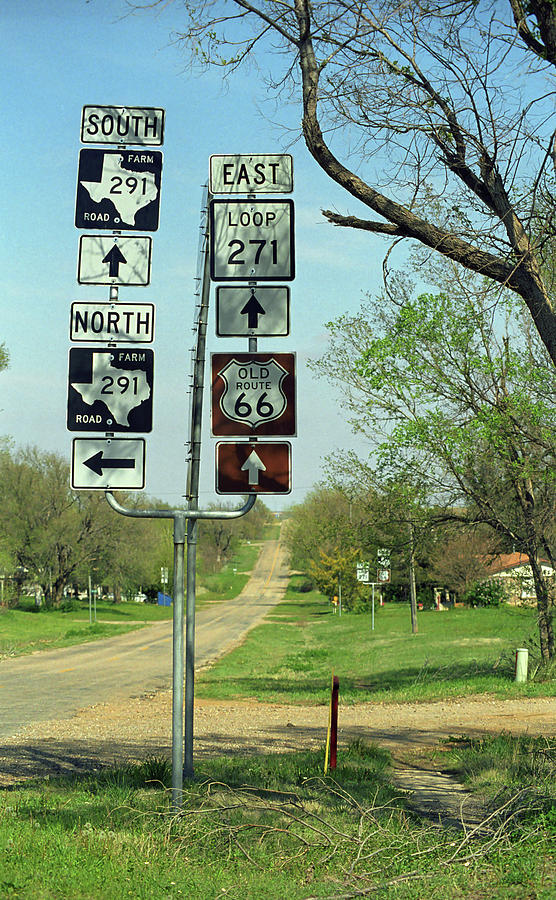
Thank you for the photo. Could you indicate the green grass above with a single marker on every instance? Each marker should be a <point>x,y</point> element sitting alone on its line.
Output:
<point>501,767</point>
<point>455,653</point>
<point>29,628</point>
<point>227,584</point>
<point>254,829</point>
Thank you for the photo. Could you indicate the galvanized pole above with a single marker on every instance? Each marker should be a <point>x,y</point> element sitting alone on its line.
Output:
<point>193,503</point>
<point>182,743</point>
<point>177,667</point>
<point>179,516</point>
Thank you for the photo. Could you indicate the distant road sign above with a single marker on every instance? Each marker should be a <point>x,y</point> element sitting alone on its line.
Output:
<point>103,322</point>
<point>256,312</point>
<point>253,468</point>
<point>253,393</point>
<point>255,173</point>
<point>363,572</point>
<point>117,463</point>
<point>252,240</point>
<point>118,189</point>
<point>110,390</point>
<point>107,259</point>
<point>122,125</point>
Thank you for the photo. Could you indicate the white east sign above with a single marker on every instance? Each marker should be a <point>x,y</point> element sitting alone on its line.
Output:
<point>252,240</point>
<point>255,173</point>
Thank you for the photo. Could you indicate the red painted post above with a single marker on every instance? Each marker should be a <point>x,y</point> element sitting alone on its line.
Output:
<point>334,722</point>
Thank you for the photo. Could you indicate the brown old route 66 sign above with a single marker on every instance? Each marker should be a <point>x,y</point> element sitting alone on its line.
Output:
<point>253,394</point>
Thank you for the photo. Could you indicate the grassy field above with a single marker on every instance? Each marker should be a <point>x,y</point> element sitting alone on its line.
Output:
<point>261,827</point>
<point>29,628</point>
<point>455,653</point>
<point>234,575</point>
<point>267,827</point>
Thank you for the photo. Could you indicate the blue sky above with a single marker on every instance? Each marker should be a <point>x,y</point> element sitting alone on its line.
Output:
<point>58,57</point>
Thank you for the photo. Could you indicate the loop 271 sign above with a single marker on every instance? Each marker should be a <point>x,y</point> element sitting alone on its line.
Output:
<point>253,393</point>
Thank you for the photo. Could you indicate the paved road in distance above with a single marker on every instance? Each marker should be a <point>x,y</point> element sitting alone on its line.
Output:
<point>54,684</point>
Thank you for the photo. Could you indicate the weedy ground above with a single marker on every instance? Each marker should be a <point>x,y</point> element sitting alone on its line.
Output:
<point>266,827</point>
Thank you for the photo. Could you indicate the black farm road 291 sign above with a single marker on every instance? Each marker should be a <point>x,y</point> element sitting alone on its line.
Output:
<point>118,189</point>
<point>110,390</point>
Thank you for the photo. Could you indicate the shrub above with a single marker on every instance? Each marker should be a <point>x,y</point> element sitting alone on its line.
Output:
<point>486,593</point>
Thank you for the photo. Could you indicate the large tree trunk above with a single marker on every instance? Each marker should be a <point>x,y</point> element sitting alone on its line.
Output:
<point>544,609</point>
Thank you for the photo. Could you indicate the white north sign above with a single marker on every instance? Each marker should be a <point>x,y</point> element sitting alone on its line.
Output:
<point>105,259</point>
<point>136,125</point>
<point>111,464</point>
<point>252,240</point>
<point>253,312</point>
<point>118,321</point>
<point>255,173</point>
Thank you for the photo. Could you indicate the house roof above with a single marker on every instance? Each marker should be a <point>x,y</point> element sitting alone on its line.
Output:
<point>506,561</point>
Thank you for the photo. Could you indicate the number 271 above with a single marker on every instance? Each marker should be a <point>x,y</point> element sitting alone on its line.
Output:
<point>234,258</point>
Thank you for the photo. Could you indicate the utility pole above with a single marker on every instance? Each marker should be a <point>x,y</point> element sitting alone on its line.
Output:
<point>412,588</point>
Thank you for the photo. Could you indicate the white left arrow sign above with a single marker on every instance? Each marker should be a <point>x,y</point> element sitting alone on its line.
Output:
<point>101,464</point>
<point>253,465</point>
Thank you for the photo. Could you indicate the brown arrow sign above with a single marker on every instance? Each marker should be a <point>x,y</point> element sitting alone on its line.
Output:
<point>253,468</point>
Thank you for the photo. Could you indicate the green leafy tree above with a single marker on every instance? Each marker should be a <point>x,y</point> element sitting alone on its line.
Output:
<point>4,357</point>
<point>415,110</point>
<point>486,593</point>
<point>50,531</point>
<point>457,398</point>
<point>58,537</point>
<point>334,574</point>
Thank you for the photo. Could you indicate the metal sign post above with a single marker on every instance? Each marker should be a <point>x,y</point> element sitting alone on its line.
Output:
<point>110,389</point>
<point>185,526</point>
<point>180,517</point>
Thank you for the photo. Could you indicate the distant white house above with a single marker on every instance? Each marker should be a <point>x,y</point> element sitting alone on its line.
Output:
<point>514,571</point>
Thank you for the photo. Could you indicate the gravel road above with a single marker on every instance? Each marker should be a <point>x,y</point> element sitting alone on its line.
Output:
<point>130,724</point>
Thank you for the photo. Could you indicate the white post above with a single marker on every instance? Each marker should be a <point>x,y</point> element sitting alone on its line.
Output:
<point>521,663</point>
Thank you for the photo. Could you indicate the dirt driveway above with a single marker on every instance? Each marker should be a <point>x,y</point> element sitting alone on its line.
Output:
<point>111,733</point>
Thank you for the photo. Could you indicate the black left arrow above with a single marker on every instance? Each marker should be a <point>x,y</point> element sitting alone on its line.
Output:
<point>96,463</point>
<point>115,259</point>
<point>253,310</point>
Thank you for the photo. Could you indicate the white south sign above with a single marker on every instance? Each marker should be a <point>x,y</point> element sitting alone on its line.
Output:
<point>122,125</point>
<point>252,240</point>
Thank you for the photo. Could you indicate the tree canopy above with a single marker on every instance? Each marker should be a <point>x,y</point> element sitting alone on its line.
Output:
<point>456,397</point>
<point>440,118</point>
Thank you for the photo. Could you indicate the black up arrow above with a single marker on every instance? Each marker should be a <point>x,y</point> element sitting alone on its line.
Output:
<point>114,258</point>
<point>253,310</point>
<point>96,463</point>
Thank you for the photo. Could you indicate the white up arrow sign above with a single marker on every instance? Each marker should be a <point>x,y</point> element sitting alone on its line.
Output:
<point>253,465</point>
